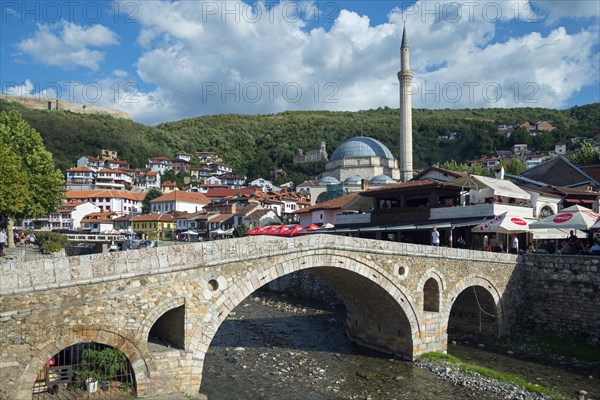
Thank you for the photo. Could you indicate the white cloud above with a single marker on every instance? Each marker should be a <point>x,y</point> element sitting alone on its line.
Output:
<point>559,9</point>
<point>202,60</point>
<point>28,89</point>
<point>67,45</point>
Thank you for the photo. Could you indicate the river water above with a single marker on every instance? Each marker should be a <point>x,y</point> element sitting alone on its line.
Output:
<point>278,347</point>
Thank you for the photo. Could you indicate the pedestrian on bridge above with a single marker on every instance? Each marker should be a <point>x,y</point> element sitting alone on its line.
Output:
<point>435,237</point>
<point>3,241</point>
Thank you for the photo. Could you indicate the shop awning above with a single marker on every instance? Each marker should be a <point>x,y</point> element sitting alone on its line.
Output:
<point>474,222</point>
<point>439,225</point>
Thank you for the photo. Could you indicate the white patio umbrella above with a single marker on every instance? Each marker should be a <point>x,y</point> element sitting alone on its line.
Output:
<point>189,233</point>
<point>503,223</point>
<point>571,218</point>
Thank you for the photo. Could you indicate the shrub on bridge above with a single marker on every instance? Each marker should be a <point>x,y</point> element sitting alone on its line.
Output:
<point>51,242</point>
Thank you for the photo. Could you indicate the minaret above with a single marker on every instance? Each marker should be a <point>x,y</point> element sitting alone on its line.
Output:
<point>405,78</point>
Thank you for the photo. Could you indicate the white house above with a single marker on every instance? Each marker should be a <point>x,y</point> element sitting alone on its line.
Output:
<point>148,180</point>
<point>182,157</point>
<point>159,164</point>
<point>75,211</point>
<point>68,216</point>
<point>213,180</point>
<point>113,179</point>
<point>533,159</point>
<point>114,164</point>
<point>119,201</point>
<point>98,222</point>
<point>80,177</point>
<point>92,163</point>
<point>179,201</point>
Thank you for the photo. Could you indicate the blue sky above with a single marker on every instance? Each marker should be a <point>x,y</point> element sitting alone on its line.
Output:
<point>162,61</point>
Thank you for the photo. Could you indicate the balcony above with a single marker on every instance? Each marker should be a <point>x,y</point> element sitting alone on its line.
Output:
<point>480,210</point>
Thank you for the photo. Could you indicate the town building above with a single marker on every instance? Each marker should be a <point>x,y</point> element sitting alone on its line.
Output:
<point>363,157</point>
<point>311,156</point>
<point>179,201</point>
<point>155,226</point>
<point>119,201</point>
<point>80,178</point>
<point>98,222</point>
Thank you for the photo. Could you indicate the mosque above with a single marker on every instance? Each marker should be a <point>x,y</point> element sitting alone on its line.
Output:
<point>364,159</point>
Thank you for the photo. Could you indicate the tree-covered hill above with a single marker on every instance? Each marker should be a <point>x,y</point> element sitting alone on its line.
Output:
<point>254,145</point>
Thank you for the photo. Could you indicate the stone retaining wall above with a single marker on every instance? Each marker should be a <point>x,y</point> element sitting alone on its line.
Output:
<point>561,294</point>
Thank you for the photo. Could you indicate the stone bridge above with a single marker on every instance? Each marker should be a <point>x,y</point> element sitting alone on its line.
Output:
<point>400,298</point>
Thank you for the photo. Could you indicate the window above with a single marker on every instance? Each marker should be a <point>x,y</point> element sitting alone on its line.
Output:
<point>431,295</point>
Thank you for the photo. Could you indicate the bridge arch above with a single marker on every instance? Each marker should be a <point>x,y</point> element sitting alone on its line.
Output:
<point>490,289</point>
<point>426,290</point>
<point>327,266</point>
<point>157,312</point>
<point>136,353</point>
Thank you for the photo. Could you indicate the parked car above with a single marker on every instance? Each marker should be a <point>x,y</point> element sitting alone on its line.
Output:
<point>134,244</point>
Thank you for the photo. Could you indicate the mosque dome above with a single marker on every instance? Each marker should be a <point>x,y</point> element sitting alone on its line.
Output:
<point>381,180</point>
<point>353,180</point>
<point>328,180</point>
<point>362,147</point>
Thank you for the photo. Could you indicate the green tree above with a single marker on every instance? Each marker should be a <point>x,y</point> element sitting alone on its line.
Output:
<point>240,230</point>
<point>14,191</point>
<point>585,155</point>
<point>44,181</point>
<point>452,165</point>
<point>151,195</point>
<point>514,166</point>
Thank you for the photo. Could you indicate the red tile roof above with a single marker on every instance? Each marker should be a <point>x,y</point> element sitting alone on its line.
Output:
<point>79,169</point>
<point>221,193</point>
<point>154,218</point>
<point>118,194</point>
<point>333,204</point>
<point>178,195</point>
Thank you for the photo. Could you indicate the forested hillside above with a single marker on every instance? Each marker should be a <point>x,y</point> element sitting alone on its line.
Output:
<point>254,145</point>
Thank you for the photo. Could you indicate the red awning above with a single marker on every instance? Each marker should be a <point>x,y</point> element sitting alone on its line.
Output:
<point>587,201</point>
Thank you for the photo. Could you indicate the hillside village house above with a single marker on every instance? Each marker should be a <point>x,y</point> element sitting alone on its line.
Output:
<point>113,179</point>
<point>116,164</point>
<point>209,157</point>
<point>99,222</point>
<point>82,178</point>
<point>119,201</point>
<point>67,217</point>
<point>159,164</point>
<point>152,226</point>
<point>179,201</point>
<point>168,187</point>
<point>93,163</point>
<point>148,180</point>
<point>330,211</point>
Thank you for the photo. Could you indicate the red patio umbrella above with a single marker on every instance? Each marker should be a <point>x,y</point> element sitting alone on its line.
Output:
<point>312,227</point>
<point>272,230</point>
<point>295,229</point>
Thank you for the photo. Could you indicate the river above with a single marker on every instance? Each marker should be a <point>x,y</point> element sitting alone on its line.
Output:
<point>275,346</point>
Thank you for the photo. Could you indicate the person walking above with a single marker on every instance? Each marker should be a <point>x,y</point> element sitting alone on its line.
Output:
<point>514,245</point>
<point>3,241</point>
<point>435,237</point>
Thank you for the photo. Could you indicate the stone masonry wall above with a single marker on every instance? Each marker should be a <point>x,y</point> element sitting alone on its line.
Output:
<point>116,298</point>
<point>561,294</point>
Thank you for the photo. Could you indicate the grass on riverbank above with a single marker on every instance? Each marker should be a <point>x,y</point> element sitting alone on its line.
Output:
<point>563,346</point>
<point>440,357</point>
